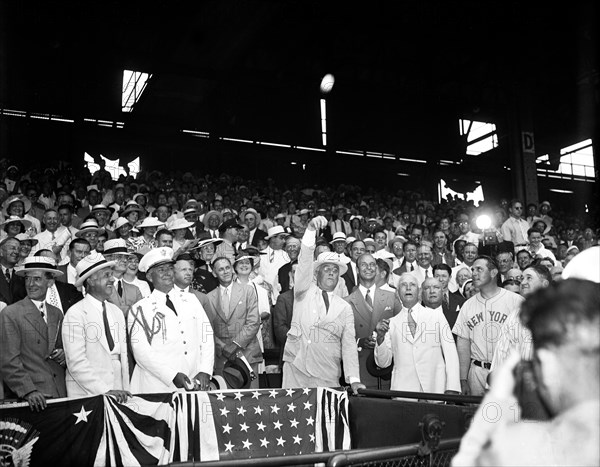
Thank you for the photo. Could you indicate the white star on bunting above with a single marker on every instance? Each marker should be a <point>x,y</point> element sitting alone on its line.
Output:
<point>310,421</point>
<point>291,407</point>
<point>273,393</point>
<point>306,391</point>
<point>241,411</point>
<point>226,429</point>
<point>294,423</point>
<point>307,405</point>
<point>258,410</point>
<point>82,415</point>
<point>220,397</point>
<point>244,427</point>
<point>255,395</point>
<point>289,392</point>
<point>264,443</point>
<point>297,439</point>
<point>229,447</point>
<point>224,411</point>
<point>274,409</point>
<point>247,444</point>
<point>280,441</point>
<point>238,396</point>
<point>277,425</point>
<point>260,426</point>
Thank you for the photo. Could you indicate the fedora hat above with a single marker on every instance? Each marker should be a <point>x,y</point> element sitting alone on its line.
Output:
<point>329,257</point>
<point>39,263</point>
<point>277,230</point>
<point>238,373</point>
<point>89,225</point>
<point>338,237</point>
<point>13,199</point>
<point>12,219</point>
<point>156,256</point>
<point>377,371</point>
<point>89,265</point>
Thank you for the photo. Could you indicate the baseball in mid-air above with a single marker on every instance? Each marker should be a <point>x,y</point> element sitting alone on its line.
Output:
<point>327,83</point>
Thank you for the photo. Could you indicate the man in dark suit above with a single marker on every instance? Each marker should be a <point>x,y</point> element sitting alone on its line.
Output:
<point>283,311</point>
<point>357,248</point>
<point>12,286</point>
<point>236,323</point>
<point>292,248</point>
<point>451,301</point>
<point>252,219</point>
<point>409,264</point>
<point>78,249</point>
<point>31,353</point>
<point>370,305</point>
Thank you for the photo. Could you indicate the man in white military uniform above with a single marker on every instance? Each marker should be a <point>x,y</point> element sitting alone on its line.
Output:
<point>420,343</point>
<point>96,365</point>
<point>321,336</point>
<point>171,336</point>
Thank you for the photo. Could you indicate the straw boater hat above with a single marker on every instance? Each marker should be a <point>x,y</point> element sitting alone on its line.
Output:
<point>101,207</point>
<point>89,265</point>
<point>328,257</point>
<point>206,241</point>
<point>89,225</point>
<point>15,198</point>
<point>116,246</point>
<point>252,211</point>
<point>13,219</point>
<point>39,263</point>
<point>273,231</point>
<point>155,257</point>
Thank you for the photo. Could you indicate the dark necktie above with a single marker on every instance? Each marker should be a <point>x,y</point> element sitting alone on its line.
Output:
<point>42,311</point>
<point>109,338</point>
<point>445,301</point>
<point>120,288</point>
<point>369,300</point>
<point>326,300</point>
<point>7,275</point>
<point>169,303</point>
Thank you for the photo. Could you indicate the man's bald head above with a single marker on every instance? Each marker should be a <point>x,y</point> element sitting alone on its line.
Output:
<point>432,292</point>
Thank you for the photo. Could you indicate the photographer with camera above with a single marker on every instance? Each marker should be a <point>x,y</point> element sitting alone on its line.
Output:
<point>564,320</point>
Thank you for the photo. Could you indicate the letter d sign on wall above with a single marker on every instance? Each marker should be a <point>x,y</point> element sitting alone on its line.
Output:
<point>527,141</point>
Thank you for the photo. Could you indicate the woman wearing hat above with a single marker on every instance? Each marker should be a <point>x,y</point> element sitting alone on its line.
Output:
<point>132,212</point>
<point>19,205</point>
<point>148,228</point>
<point>179,227</point>
<point>356,228</point>
<point>122,228</point>
<point>131,274</point>
<point>27,243</point>
<point>245,267</point>
<point>14,225</point>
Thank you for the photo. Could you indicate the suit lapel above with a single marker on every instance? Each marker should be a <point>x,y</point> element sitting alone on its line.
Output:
<point>54,316</point>
<point>361,306</point>
<point>218,304</point>
<point>33,315</point>
<point>236,292</point>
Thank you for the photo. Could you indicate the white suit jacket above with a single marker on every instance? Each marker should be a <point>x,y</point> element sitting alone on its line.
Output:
<point>319,340</point>
<point>427,362</point>
<point>92,368</point>
<point>165,343</point>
